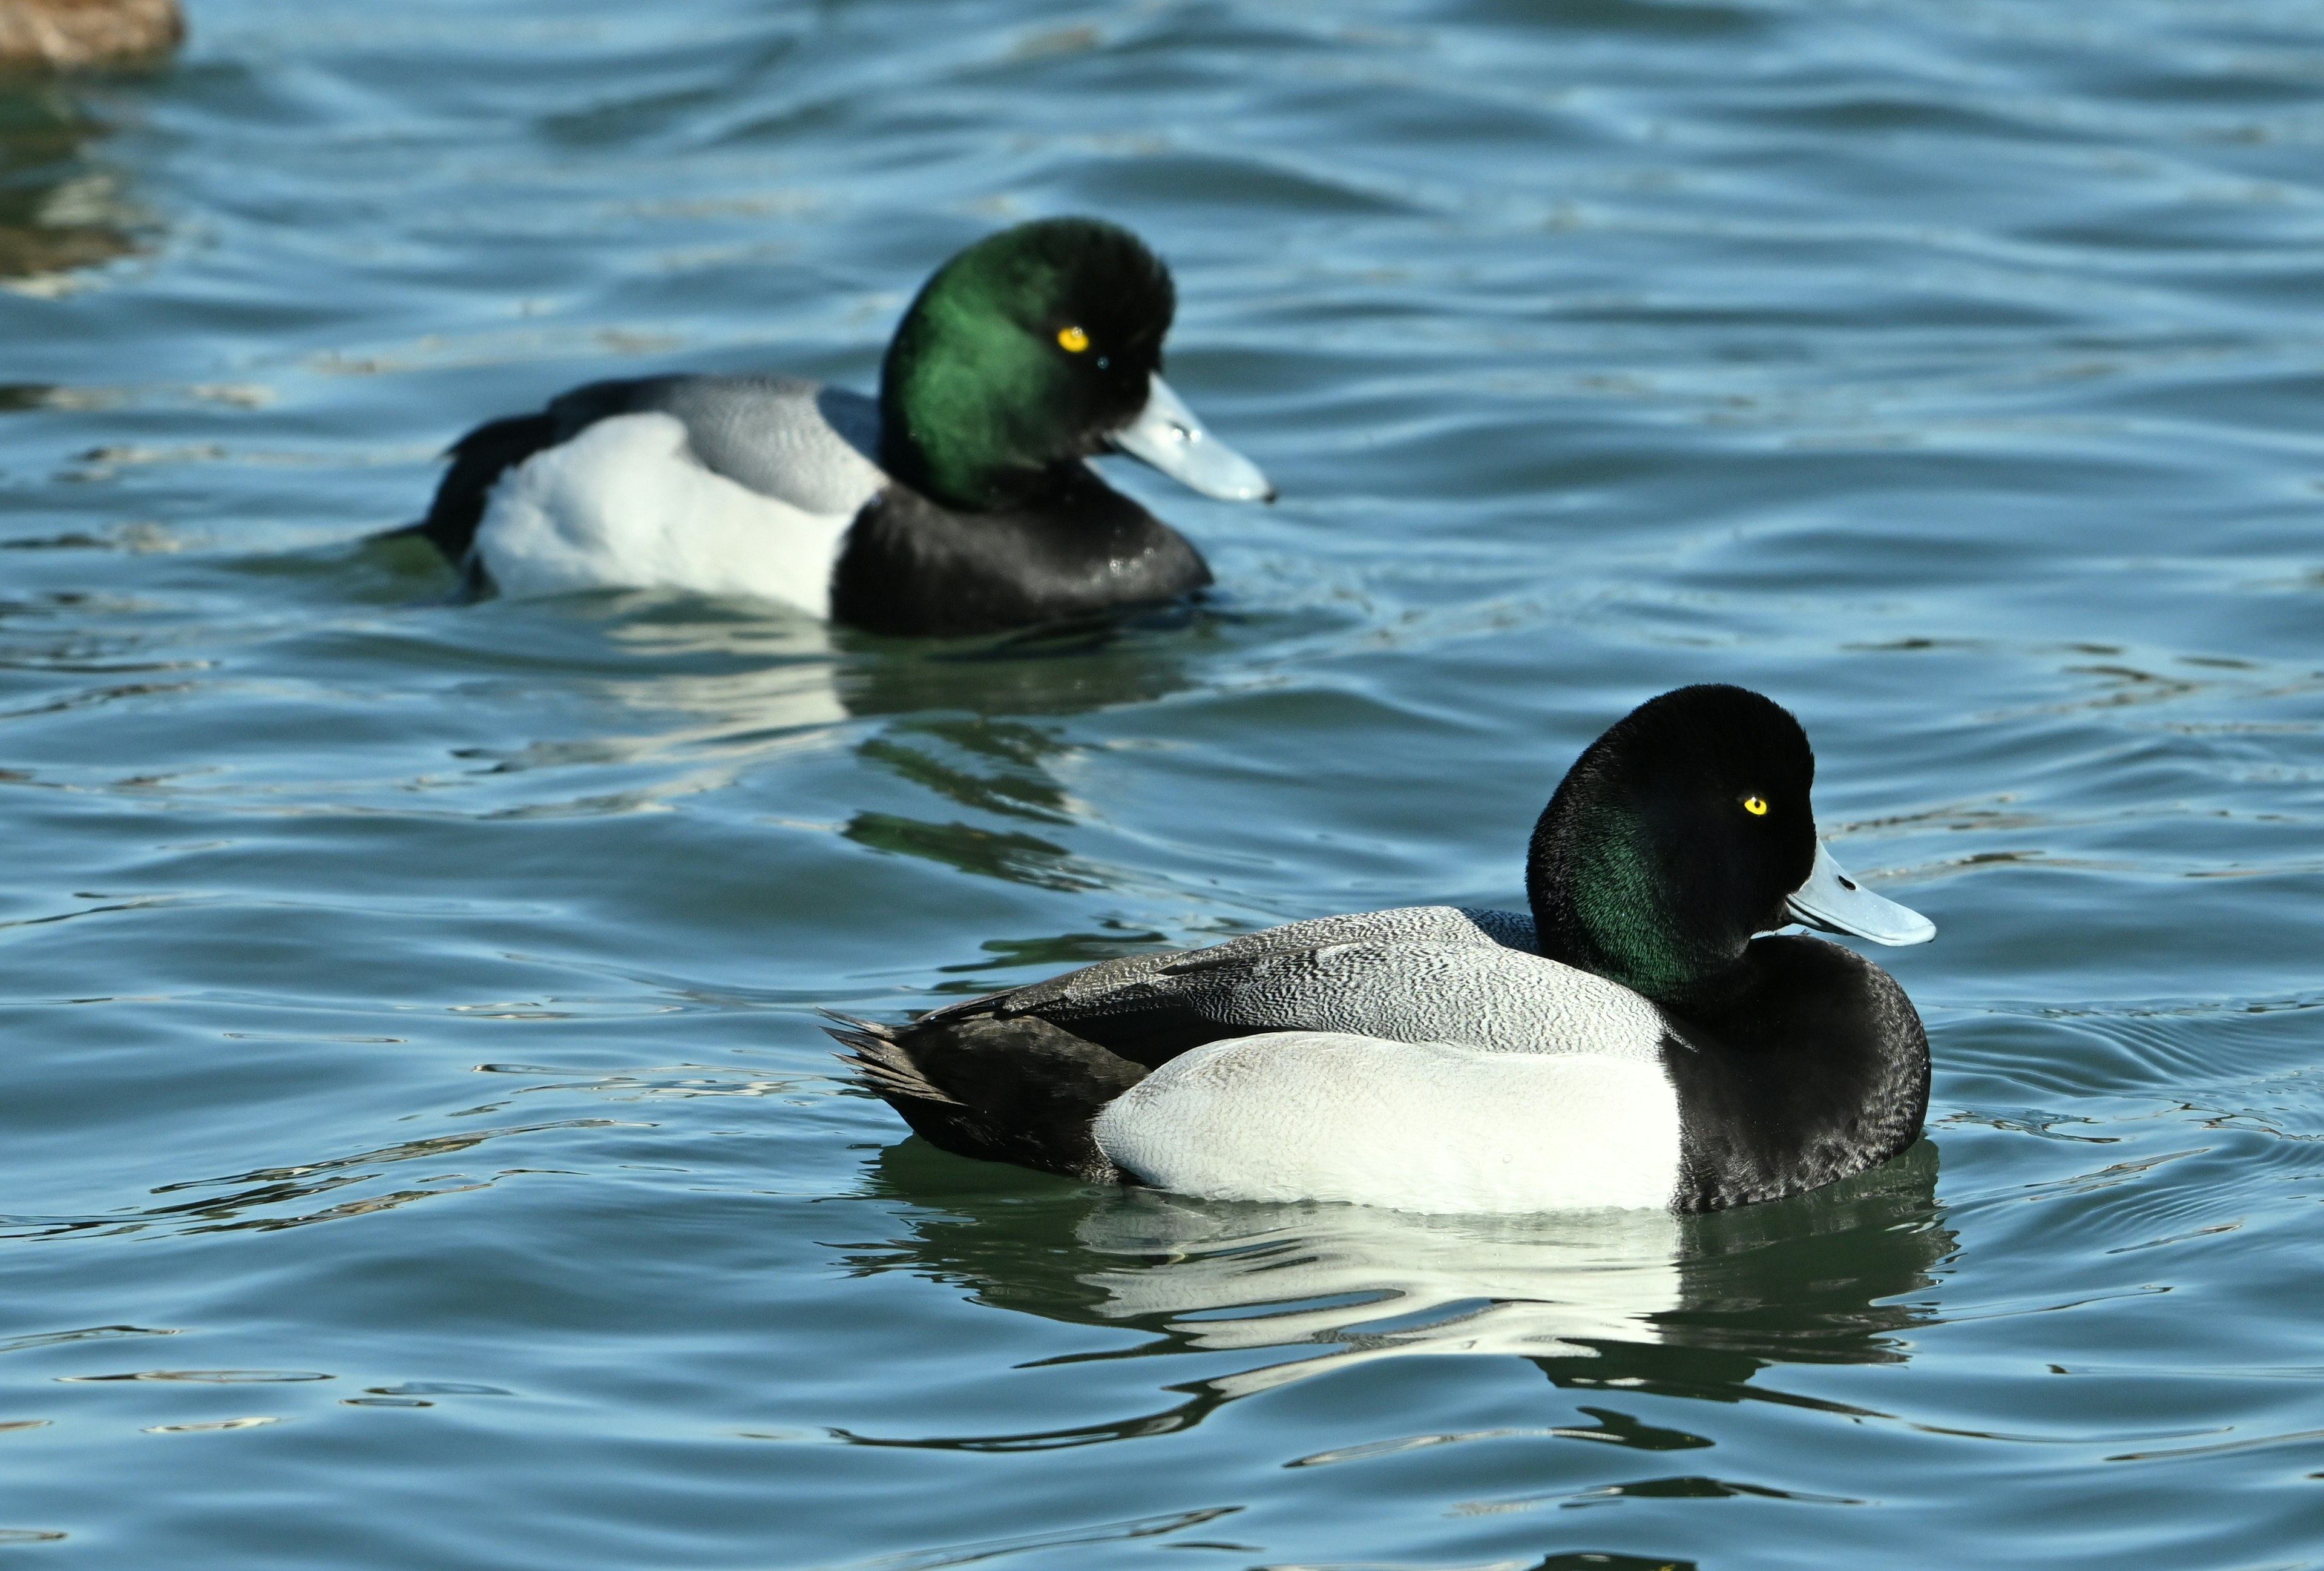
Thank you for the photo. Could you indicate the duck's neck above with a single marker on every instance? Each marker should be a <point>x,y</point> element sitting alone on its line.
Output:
<point>955,476</point>
<point>1605,902</point>
<point>992,489</point>
<point>964,408</point>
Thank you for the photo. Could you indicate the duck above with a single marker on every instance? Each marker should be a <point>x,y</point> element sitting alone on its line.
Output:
<point>1645,1036</point>
<point>958,501</point>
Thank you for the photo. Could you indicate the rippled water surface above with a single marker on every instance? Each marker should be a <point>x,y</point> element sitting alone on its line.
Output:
<point>420,1150</point>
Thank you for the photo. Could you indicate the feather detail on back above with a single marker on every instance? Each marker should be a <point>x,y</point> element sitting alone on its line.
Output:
<point>1417,974</point>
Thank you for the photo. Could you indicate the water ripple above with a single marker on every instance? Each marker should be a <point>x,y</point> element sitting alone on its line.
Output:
<point>1947,374</point>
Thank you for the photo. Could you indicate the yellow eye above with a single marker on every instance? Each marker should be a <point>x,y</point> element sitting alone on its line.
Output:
<point>1756,806</point>
<point>1072,340</point>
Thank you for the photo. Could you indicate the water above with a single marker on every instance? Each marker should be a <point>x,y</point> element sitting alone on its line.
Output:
<point>419,1146</point>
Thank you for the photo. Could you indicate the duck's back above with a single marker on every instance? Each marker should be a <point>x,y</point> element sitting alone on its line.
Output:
<point>800,442</point>
<point>1411,974</point>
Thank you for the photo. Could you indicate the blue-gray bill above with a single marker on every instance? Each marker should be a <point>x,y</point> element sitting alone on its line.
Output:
<point>1167,435</point>
<point>1833,902</point>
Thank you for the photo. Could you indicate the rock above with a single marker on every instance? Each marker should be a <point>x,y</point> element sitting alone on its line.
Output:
<point>87,33</point>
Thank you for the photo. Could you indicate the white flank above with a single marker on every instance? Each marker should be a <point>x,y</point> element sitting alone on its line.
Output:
<point>626,504</point>
<point>1414,1126</point>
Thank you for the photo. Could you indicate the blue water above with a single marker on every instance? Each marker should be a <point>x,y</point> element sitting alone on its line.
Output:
<point>419,1148</point>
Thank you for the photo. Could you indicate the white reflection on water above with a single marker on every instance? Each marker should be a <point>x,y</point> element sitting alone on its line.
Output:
<point>738,679</point>
<point>1375,1284</point>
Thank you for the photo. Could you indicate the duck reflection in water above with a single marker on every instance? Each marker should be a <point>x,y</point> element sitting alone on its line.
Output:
<point>972,728</point>
<point>1617,1301</point>
<point>971,722</point>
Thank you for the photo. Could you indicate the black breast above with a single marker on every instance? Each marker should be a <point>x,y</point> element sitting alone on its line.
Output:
<point>912,566</point>
<point>1819,1069</point>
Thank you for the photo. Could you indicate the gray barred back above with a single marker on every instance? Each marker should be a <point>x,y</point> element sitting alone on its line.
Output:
<point>1415,973</point>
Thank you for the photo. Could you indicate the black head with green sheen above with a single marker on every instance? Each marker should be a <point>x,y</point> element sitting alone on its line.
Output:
<point>1027,351</point>
<point>1677,835</point>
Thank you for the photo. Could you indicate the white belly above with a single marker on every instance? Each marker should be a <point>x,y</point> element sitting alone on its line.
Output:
<point>1415,1126</point>
<point>626,504</point>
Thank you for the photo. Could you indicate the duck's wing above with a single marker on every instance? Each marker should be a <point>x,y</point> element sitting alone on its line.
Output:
<point>813,447</point>
<point>1419,974</point>
<point>1452,925</point>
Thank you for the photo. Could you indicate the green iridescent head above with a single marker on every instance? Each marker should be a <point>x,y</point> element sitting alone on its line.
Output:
<point>1676,836</point>
<point>1027,351</point>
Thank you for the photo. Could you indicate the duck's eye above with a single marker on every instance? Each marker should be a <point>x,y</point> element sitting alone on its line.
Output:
<point>1756,806</point>
<point>1072,340</point>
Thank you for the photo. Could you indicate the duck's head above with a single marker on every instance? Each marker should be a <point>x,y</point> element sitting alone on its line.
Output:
<point>1680,835</point>
<point>1038,347</point>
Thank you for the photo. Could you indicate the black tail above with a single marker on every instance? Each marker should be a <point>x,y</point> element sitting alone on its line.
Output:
<point>1021,1091</point>
<point>477,460</point>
